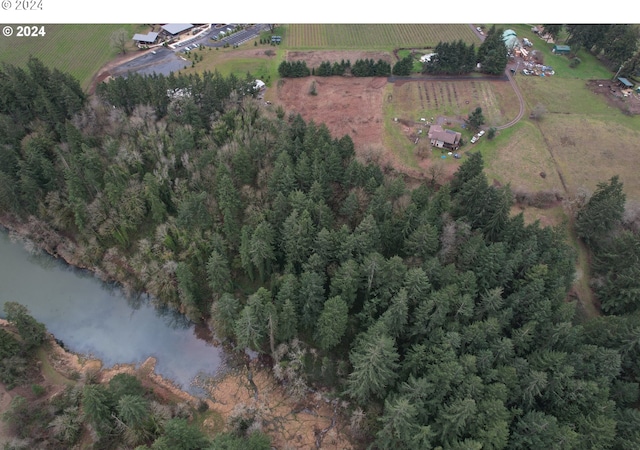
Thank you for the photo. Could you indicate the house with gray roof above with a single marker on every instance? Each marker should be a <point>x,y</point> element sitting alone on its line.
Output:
<point>145,39</point>
<point>443,138</point>
<point>174,29</point>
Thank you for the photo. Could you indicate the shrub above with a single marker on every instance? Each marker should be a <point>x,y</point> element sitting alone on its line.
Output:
<point>575,62</point>
<point>38,390</point>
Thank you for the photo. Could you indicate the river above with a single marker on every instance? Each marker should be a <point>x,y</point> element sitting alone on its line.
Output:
<point>96,318</point>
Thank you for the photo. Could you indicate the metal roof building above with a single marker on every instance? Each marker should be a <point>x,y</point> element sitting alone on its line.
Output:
<point>176,28</point>
<point>510,39</point>
<point>626,82</point>
<point>149,37</point>
<point>561,49</point>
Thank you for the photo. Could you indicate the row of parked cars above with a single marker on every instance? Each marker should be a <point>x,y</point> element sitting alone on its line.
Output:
<point>475,137</point>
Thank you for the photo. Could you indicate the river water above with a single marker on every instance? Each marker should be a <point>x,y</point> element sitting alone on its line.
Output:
<point>95,318</point>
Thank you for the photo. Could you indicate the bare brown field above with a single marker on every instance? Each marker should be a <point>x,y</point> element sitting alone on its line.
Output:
<point>346,105</point>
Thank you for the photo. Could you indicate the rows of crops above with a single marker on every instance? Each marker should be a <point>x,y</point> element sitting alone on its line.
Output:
<point>375,36</point>
<point>76,49</point>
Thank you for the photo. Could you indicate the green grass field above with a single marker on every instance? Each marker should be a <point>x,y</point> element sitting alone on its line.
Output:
<point>373,36</point>
<point>76,49</point>
<point>256,60</point>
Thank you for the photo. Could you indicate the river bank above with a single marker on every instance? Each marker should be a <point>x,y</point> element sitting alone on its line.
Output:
<point>249,390</point>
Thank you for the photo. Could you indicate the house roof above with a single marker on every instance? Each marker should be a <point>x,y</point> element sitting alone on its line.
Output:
<point>149,37</point>
<point>447,136</point>
<point>175,28</point>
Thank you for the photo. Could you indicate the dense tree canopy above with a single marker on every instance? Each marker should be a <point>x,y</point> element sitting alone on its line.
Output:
<point>452,58</point>
<point>492,53</point>
<point>437,308</point>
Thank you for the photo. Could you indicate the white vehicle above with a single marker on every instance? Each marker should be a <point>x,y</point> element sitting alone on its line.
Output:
<point>195,45</point>
<point>474,139</point>
<point>481,133</point>
<point>186,49</point>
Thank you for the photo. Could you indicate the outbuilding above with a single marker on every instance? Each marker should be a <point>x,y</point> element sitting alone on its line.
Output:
<point>145,39</point>
<point>174,29</point>
<point>625,83</point>
<point>561,49</point>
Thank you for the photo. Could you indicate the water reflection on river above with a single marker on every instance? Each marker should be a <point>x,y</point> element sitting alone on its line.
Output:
<point>96,318</point>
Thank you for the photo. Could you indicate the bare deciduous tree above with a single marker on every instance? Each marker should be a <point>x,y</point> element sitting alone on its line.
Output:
<point>436,172</point>
<point>119,40</point>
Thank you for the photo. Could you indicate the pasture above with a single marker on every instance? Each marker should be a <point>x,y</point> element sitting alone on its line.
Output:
<point>374,36</point>
<point>79,50</point>
<point>260,61</point>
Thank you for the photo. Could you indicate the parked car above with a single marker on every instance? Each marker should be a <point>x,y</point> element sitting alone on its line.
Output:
<point>474,139</point>
<point>480,133</point>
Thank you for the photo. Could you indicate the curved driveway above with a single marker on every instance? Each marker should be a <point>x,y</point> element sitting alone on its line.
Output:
<point>507,72</point>
<point>520,101</point>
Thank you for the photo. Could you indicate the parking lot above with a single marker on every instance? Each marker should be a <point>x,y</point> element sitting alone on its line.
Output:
<point>164,60</point>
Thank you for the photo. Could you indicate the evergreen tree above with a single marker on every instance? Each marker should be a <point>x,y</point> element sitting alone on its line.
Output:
<point>375,361</point>
<point>602,212</point>
<point>332,323</point>
<point>492,53</point>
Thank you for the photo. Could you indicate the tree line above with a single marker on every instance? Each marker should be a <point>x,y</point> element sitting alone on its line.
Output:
<point>361,68</point>
<point>456,58</point>
<point>442,318</point>
<point>616,43</point>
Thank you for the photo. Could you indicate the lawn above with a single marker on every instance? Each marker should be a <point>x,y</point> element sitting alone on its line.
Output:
<point>260,61</point>
<point>76,49</point>
<point>517,156</point>
<point>589,150</point>
<point>589,139</point>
